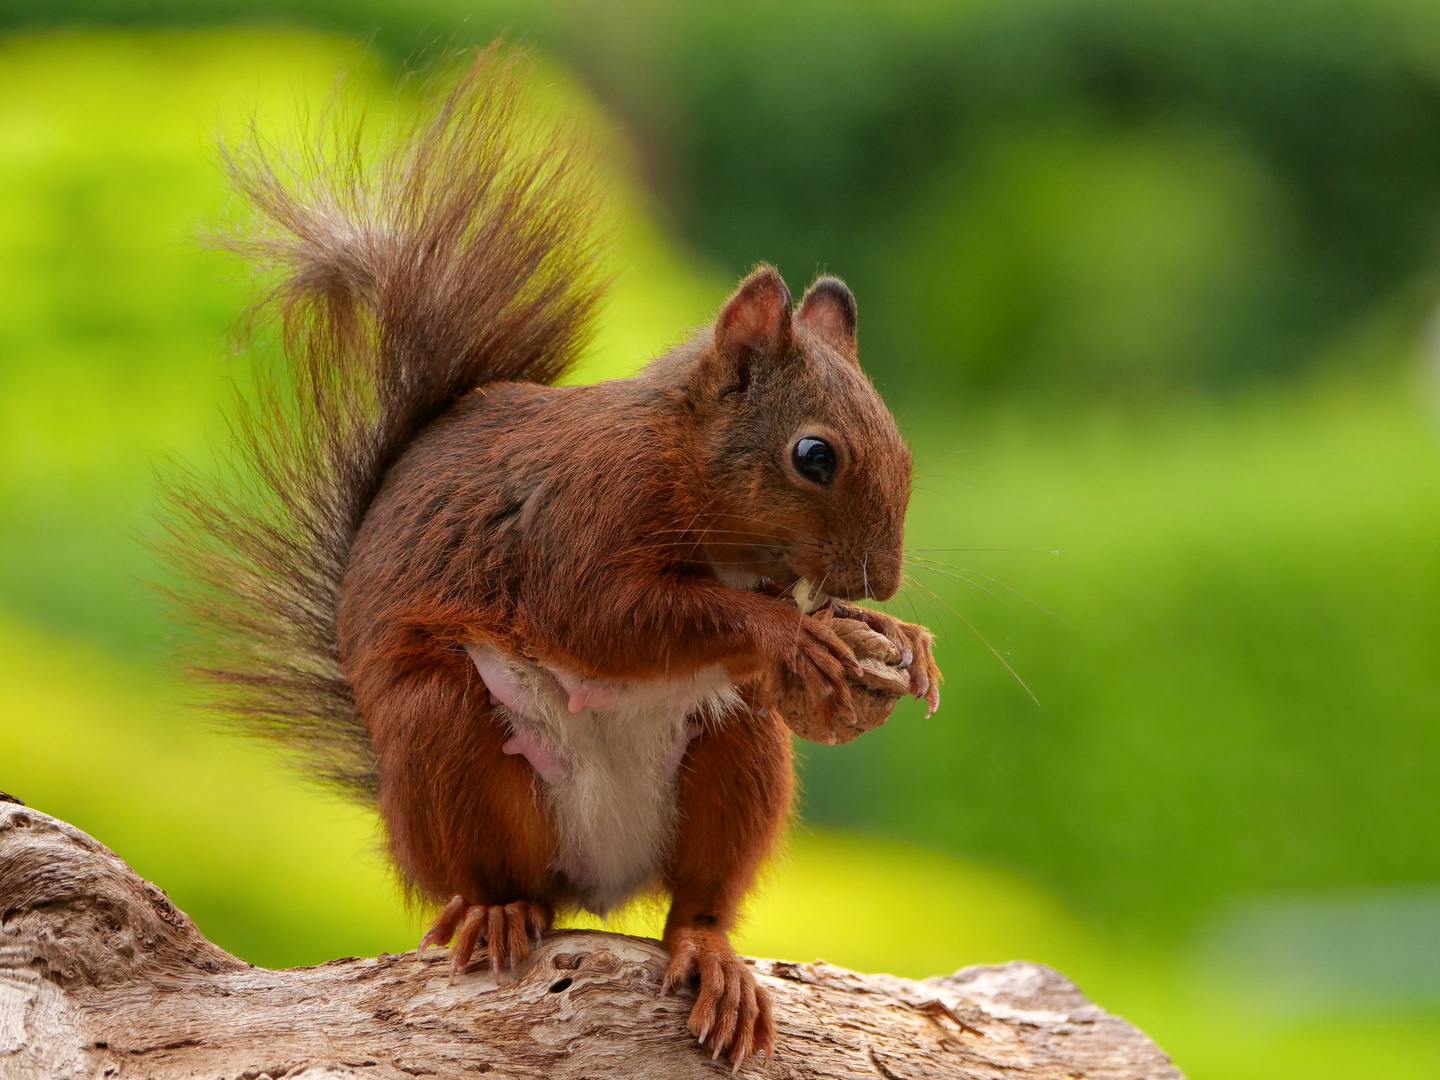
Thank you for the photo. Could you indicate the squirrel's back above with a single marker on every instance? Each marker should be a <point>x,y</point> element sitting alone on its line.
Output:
<point>463,254</point>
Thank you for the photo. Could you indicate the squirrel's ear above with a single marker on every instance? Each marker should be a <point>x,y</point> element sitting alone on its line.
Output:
<point>828,309</point>
<point>757,317</point>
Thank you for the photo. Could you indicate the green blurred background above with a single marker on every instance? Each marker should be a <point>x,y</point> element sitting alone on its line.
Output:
<point>1150,287</point>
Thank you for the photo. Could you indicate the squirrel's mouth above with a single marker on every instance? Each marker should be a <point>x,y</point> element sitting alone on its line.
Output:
<point>808,596</point>
<point>783,580</point>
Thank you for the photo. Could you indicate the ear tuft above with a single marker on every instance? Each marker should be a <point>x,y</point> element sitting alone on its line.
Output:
<point>828,309</point>
<point>757,316</point>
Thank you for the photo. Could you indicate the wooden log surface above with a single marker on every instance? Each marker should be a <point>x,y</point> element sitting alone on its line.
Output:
<point>102,976</point>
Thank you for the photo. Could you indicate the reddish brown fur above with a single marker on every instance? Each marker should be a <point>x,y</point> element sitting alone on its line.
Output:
<point>434,492</point>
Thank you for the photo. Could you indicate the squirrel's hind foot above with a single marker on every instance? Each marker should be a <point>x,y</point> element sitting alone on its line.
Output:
<point>731,1015</point>
<point>506,930</point>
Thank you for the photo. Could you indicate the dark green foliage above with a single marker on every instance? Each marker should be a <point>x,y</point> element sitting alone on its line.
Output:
<point>1094,194</point>
<point>1290,154</point>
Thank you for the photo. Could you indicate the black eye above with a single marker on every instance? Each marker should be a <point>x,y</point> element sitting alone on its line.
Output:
<point>815,460</point>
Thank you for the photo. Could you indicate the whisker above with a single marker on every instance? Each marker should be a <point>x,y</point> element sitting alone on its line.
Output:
<point>1014,674</point>
<point>914,601</point>
<point>1022,551</point>
<point>962,578</point>
<point>790,529</point>
<point>707,531</point>
<point>935,563</point>
<point>908,599</point>
<point>658,545</point>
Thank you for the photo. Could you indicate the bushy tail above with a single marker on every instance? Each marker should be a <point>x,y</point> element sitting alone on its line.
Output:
<point>465,254</point>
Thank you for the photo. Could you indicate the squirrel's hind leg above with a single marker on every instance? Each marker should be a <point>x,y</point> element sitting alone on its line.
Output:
<point>464,817</point>
<point>735,785</point>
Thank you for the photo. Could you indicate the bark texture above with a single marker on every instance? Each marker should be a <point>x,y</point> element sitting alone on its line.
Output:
<point>102,976</point>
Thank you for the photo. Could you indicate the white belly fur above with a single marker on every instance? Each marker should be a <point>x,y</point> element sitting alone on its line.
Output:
<point>608,769</point>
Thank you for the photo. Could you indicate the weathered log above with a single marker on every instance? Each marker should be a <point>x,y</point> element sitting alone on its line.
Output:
<point>102,976</point>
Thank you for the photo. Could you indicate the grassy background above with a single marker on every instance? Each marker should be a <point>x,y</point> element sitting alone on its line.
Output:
<point>1226,604</point>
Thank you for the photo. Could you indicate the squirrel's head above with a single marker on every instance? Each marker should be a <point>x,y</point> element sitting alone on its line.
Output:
<point>808,474</point>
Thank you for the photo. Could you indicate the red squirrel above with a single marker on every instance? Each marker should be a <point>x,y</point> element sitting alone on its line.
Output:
<point>539,625</point>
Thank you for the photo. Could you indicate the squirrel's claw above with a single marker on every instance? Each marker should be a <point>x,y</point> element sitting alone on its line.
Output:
<point>931,697</point>
<point>443,928</point>
<point>914,643</point>
<point>731,1015</point>
<point>506,930</point>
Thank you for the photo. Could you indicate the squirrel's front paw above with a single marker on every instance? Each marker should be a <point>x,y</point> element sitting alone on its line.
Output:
<point>914,644</point>
<point>812,687</point>
<point>731,1014</point>
<point>891,659</point>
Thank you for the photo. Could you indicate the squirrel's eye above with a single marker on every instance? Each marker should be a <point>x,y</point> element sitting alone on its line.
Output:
<point>814,459</point>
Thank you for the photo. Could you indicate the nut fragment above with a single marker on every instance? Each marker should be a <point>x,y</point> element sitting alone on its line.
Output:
<point>808,596</point>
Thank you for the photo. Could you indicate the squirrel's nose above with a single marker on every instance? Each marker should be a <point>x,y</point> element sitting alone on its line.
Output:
<point>882,578</point>
<point>870,577</point>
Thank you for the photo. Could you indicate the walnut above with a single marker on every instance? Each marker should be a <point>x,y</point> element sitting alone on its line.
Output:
<point>874,691</point>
